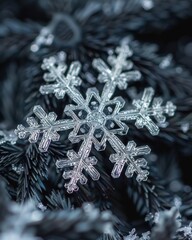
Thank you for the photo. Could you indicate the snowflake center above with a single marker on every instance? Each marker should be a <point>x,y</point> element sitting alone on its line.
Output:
<point>96,118</point>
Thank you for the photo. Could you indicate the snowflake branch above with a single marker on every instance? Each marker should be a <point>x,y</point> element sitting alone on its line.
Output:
<point>64,84</point>
<point>126,155</point>
<point>143,112</point>
<point>79,161</point>
<point>48,126</point>
<point>116,77</point>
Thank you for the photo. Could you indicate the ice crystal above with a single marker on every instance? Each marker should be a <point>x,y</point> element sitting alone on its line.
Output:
<point>19,217</point>
<point>45,37</point>
<point>187,230</point>
<point>130,151</point>
<point>18,168</point>
<point>7,136</point>
<point>97,119</point>
<point>133,235</point>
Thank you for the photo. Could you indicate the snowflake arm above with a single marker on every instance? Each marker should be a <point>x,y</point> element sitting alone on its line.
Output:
<point>61,84</point>
<point>119,75</point>
<point>48,127</point>
<point>143,112</point>
<point>125,155</point>
<point>79,161</point>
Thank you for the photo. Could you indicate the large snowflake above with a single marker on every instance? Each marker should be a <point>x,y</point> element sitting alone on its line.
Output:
<point>98,119</point>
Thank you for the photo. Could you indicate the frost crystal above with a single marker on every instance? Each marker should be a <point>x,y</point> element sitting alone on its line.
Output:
<point>7,136</point>
<point>133,236</point>
<point>97,119</point>
<point>18,168</point>
<point>45,37</point>
<point>121,158</point>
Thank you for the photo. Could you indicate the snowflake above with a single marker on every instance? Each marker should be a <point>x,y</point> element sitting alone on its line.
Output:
<point>97,119</point>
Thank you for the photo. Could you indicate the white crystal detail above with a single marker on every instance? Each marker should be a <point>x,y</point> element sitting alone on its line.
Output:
<point>127,156</point>
<point>120,73</point>
<point>58,83</point>
<point>45,38</point>
<point>7,136</point>
<point>79,161</point>
<point>143,112</point>
<point>133,235</point>
<point>48,127</point>
<point>18,168</point>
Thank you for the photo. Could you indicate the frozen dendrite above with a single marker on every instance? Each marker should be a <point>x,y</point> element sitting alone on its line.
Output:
<point>97,119</point>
